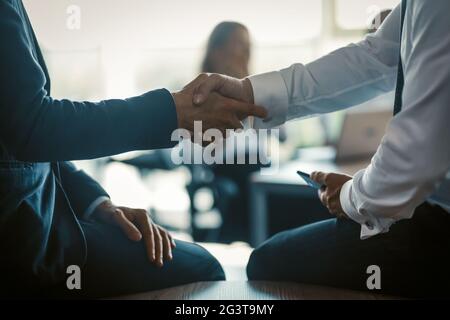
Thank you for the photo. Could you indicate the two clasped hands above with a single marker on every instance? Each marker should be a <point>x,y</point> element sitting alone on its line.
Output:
<point>219,102</point>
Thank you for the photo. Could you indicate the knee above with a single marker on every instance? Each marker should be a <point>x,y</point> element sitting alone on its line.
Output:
<point>200,265</point>
<point>262,264</point>
<point>212,270</point>
<point>215,271</point>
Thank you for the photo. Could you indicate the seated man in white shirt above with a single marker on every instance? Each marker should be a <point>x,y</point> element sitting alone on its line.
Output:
<point>383,216</point>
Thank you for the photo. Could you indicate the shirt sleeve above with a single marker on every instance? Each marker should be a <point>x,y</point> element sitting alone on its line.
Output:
<point>414,155</point>
<point>90,210</point>
<point>341,79</point>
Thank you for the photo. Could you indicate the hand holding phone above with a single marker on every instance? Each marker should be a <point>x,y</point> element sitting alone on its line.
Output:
<point>306,177</point>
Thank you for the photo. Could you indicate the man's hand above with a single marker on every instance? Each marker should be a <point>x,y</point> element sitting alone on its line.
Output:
<point>330,194</point>
<point>238,89</point>
<point>213,109</point>
<point>136,224</point>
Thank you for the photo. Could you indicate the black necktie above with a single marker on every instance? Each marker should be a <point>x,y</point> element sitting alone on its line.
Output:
<point>400,77</point>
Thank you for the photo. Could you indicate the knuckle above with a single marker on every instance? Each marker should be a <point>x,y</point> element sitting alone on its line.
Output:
<point>143,219</point>
<point>158,238</point>
<point>142,212</point>
<point>162,230</point>
<point>118,214</point>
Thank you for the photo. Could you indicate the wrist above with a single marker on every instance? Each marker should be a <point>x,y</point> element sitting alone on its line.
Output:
<point>104,205</point>
<point>90,210</point>
<point>179,100</point>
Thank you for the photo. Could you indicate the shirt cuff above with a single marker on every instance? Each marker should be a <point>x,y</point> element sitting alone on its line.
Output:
<point>369,227</point>
<point>270,92</point>
<point>90,210</point>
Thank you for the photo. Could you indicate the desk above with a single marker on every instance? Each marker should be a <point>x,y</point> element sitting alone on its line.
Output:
<point>286,182</point>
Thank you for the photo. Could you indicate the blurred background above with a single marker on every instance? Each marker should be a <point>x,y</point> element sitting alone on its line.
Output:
<point>99,49</point>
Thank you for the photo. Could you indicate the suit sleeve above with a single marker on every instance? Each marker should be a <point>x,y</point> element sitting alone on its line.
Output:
<point>81,189</point>
<point>35,127</point>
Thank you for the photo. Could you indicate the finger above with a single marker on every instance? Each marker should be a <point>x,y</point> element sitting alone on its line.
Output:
<point>335,208</point>
<point>214,82</point>
<point>244,110</point>
<point>157,238</point>
<point>147,233</point>
<point>126,225</point>
<point>332,208</point>
<point>194,83</point>
<point>319,177</point>
<point>323,198</point>
<point>167,245</point>
<point>172,241</point>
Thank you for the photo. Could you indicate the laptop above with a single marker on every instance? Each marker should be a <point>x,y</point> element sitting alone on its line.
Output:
<point>361,135</point>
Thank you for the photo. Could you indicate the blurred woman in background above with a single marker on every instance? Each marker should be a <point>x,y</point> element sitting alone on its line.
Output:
<point>228,50</point>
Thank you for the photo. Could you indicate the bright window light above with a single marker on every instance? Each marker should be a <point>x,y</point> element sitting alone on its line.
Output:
<point>356,14</point>
<point>172,23</point>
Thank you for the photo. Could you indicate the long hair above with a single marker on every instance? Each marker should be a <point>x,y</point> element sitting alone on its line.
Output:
<point>218,38</point>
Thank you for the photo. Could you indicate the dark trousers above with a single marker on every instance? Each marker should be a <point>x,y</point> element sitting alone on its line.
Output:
<point>117,266</point>
<point>414,256</point>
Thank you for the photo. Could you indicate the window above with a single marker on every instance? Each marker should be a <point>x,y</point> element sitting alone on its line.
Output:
<point>357,14</point>
<point>125,48</point>
<point>145,44</point>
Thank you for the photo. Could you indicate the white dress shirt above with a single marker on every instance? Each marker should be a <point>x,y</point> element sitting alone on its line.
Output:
<point>414,156</point>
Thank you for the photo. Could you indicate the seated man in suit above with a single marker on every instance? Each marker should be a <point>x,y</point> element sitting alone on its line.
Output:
<point>53,216</point>
<point>389,214</point>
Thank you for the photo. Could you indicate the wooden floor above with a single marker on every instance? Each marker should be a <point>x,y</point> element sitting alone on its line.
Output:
<point>253,290</point>
<point>234,259</point>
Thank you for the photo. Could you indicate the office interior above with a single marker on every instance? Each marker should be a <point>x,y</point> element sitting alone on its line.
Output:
<point>125,48</point>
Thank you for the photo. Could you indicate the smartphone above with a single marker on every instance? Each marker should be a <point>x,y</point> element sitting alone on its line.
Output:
<point>309,181</point>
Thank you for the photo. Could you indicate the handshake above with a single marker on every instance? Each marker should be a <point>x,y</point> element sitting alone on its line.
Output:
<point>219,102</point>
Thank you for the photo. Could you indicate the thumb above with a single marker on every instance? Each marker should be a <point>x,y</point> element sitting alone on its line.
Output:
<point>318,177</point>
<point>131,231</point>
<point>214,82</point>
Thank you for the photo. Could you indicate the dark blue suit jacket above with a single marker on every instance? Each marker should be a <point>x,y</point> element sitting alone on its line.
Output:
<point>42,196</point>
